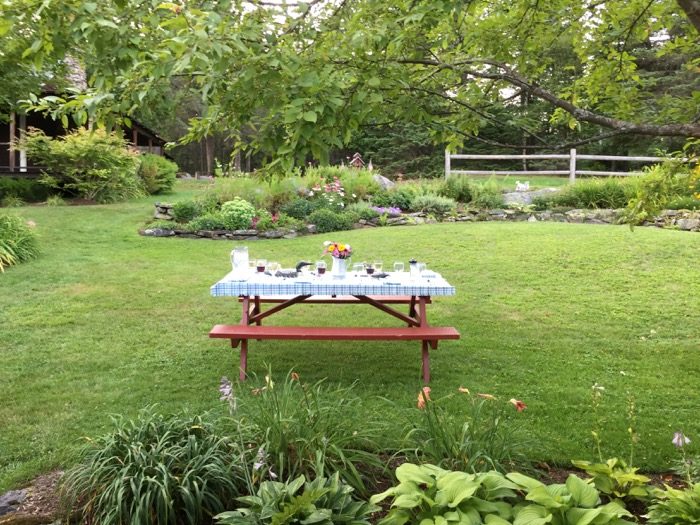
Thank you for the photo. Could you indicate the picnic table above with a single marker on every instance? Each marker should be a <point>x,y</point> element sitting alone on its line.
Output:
<point>258,290</point>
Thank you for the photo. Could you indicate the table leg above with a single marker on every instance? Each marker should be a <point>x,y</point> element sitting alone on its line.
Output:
<point>243,366</point>
<point>426,362</point>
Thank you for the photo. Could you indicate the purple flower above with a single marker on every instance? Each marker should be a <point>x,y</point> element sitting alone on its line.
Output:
<point>392,211</point>
<point>680,440</point>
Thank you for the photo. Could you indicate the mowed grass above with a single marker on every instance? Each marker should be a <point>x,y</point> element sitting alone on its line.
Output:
<point>106,322</point>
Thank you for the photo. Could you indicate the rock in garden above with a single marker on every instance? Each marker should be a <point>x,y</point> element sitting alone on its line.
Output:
<point>11,500</point>
<point>526,197</point>
<point>383,182</point>
<point>688,224</point>
<point>157,232</point>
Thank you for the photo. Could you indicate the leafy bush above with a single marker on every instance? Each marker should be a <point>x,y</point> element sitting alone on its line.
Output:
<point>157,173</point>
<point>298,208</point>
<point>330,221</point>
<point>476,436</point>
<point>683,203</point>
<point>208,221</point>
<point>156,470</point>
<point>616,480</point>
<point>237,214</point>
<point>594,193</point>
<point>458,188</point>
<point>399,196</point>
<point>94,165</point>
<point>487,195</point>
<point>185,211</point>
<point>12,201</point>
<point>250,189</point>
<point>265,221</point>
<point>434,205</point>
<point>55,200</point>
<point>304,429</point>
<point>363,210</point>
<point>675,506</point>
<point>18,242</point>
<point>29,190</point>
<point>660,185</point>
<point>359,184</point>
<point>321,502</point>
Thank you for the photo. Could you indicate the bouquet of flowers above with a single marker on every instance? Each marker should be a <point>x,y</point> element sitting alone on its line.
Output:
<point>337,249</point>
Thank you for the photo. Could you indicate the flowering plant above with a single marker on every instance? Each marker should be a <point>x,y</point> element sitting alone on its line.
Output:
<point>337,249</point>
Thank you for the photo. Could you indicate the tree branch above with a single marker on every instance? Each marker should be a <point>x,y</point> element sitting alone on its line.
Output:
<point>692,11</point>
<point>500,71</point>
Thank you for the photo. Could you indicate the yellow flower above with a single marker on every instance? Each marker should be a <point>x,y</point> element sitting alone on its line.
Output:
<point>341,247</point>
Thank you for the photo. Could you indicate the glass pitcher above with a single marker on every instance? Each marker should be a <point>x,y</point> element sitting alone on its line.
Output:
<point>239,259</point>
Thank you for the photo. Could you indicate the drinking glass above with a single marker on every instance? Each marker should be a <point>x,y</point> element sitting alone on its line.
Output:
<point>273,266</point>
<point>358,268</point>
<point>378,266</point>
<point>369,268</point>
<point>399,266</point>
<point>421,268</point>
<point>320,267</point>
<point>260,265</point>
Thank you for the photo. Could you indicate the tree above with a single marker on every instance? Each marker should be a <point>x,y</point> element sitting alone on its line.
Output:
<point>306,75</point>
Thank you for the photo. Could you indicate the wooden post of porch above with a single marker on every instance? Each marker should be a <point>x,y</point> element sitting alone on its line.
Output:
<point>13,132</point>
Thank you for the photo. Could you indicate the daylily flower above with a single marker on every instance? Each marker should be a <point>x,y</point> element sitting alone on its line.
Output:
<point>680,440</point>
<point>295,376</point>
<point>463,390</point>
<point>487,396</point>
<point>423,397</point>
<point>519,405</point>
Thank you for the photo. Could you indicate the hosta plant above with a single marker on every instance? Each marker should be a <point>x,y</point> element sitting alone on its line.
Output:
<point>18,242</point>
<point>429,495</point>
<point>675,507</point>
<point>572,503</point>
<point>323,501</point>
<point>616,480</point>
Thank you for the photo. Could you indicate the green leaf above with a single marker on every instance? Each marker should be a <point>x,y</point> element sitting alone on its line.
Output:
<point>583,494</point>
<point>374,82</point>
<point>532,515</point>
<point>582,516</point>
<point>310,116</point>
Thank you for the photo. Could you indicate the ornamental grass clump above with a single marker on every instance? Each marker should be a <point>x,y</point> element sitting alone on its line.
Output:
<point>304,429</point>
<point>18,242</point>
<point>156,470</point>
<point>472,433</point>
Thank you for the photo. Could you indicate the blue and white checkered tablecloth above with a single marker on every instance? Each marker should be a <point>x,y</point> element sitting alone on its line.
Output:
<point>310,284</point>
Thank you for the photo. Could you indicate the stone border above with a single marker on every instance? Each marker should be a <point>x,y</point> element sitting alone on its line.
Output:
<point>672,219</point>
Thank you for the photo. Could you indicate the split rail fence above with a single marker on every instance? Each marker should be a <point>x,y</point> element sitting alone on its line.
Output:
<point>572,157</point>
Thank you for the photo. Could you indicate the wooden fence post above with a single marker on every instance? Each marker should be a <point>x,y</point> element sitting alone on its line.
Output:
<point>572,165</point>
<point>447,163</point>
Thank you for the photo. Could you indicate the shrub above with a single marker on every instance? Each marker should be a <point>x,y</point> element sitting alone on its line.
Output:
<point>322,501</point>
<point>237,214</point>
<point>655,189</point>
<point>458,188</point>
<point>596,193</point>
<point>616,480</point>
<point>305,430</point>
<point>156,469</point>
<point>12,201</point>
<point>185,211</point>
<point>157,173</point>
<point>476,437</point>
<point>399,197</point>
<point>254,190</point>
<point>487,195</point>
<point>94,165</point>
<point>18,242</point>
<point>684,203</point>
<point>208,221</point>
<point>298,208</point>
<point>330,221</point>
<point>358,184</point>
<point>434,205</point>
<point>55,200</point>
<point>29,190</point>
<point>363,210</point>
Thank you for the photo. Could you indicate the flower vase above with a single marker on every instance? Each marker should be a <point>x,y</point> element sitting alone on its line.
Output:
<point>339,268</point>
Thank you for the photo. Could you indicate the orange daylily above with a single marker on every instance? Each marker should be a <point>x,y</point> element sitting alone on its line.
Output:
<point>463,390</point>
<point>295,376</point>
<point>519,405</point>
<point>486,396</point>
<point>423,397</point>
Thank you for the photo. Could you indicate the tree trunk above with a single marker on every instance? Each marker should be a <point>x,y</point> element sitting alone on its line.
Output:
<point>692,10</point>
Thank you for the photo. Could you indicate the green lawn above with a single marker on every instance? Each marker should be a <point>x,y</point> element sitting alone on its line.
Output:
<point>106,321</point>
